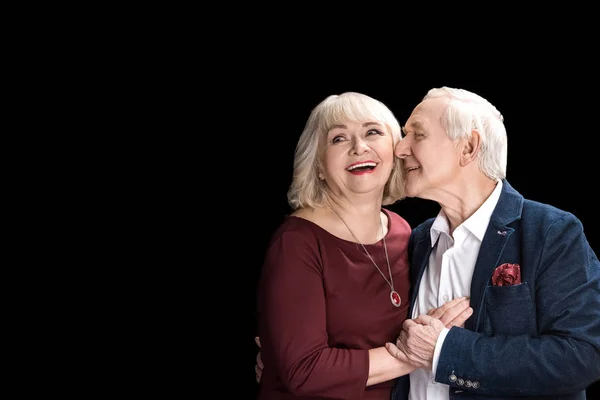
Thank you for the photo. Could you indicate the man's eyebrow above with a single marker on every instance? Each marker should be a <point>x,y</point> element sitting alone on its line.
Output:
<point>416,125</point>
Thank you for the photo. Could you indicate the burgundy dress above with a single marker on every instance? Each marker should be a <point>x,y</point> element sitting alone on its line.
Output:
<point>322,305</point>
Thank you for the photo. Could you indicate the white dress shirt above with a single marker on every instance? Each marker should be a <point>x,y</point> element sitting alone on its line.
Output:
<point>448,276</point>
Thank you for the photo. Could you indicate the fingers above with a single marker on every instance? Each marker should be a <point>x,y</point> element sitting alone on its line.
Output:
<point>427,320</point>
<point>258,368</point>
<point>258,373</point>
<point>393,350</point>
<point>401,338</point>
<point>454,312</point>
<point>440,311</point>
<point>450,310</point>
<point>259,362</point>
<point>461,318</point>
<point>407,324</point>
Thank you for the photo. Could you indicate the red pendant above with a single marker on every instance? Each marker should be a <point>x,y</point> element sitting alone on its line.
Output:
<point>395,297</point>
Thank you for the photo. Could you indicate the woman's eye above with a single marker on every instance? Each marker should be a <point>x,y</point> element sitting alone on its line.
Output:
<point>374,132</point>
<point>337,139</point>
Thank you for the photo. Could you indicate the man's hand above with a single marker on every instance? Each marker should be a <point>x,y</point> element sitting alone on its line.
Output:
<point>417,340</point>
<point>453,313</point>
<point>418,337</point>
<point>258,368</point>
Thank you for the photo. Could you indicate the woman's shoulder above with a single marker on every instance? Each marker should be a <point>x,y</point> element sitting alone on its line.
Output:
<point>396,222</point>
<point>297,225</point>
<point>293,223</point>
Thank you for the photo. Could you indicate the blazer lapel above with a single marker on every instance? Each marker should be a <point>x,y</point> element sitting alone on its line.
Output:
<point>508,210</point>
<point>419,263</point>
<point>491,249</point>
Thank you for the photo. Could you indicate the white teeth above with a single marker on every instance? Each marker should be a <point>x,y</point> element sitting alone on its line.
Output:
<point>366,164</point>
<point>412,168</point>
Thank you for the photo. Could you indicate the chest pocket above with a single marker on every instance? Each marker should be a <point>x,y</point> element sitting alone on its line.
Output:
<point>509,310</point>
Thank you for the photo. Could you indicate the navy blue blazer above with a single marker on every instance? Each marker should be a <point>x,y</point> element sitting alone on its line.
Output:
<point>537,338</point>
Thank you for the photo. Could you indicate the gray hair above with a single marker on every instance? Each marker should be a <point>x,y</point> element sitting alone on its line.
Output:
<point>467,111</point>
<point>306,189</point>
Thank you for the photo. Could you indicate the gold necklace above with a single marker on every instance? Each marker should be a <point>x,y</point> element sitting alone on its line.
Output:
<point>394,296</point>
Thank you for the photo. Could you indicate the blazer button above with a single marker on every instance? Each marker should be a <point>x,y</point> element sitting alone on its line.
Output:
<point>460,381</point>
<point>475,385</point>
<point>452,378</point>
<point>468,383</point>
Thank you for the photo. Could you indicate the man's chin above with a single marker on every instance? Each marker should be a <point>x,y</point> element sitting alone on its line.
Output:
<point>409,191</point>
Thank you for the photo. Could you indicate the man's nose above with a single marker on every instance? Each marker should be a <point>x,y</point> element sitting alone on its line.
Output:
<point>402,149</point>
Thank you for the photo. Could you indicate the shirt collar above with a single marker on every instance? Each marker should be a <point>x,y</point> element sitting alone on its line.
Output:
<point>476,224</point>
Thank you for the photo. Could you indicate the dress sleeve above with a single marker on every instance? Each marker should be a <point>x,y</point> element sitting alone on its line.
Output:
<point>293,324</point>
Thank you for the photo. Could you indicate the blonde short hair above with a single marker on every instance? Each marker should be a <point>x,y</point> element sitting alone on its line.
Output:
<point>307,190</point>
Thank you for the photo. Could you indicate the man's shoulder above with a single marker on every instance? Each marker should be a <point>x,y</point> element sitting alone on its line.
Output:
<point>422,230</point>
<point>538,211</point>
<point>531,211</point>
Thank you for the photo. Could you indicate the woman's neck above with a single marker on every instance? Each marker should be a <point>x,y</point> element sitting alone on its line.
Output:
<point>362,220</point>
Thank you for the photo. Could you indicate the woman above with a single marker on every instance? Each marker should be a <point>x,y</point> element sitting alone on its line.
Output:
<point>334,285</point>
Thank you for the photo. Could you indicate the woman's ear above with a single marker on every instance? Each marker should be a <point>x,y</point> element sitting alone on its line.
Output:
<point>321,175</point>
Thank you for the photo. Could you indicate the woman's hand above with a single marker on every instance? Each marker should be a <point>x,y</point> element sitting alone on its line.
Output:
<point>258,368</point>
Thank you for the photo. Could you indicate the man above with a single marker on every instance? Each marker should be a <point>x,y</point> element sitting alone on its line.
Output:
<point>533,280</point>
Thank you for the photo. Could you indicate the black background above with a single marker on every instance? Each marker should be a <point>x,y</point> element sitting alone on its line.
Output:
<point>551,158</point>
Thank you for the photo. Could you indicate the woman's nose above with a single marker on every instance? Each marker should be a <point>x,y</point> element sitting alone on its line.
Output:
<point>359,146</point>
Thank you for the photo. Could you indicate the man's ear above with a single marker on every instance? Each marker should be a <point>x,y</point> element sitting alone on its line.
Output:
<point>470,148</point>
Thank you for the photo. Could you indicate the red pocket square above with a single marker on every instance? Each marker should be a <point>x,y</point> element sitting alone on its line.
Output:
<point>507,274</point>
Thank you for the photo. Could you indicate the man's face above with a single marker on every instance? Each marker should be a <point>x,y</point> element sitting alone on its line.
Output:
<point>430,158</point>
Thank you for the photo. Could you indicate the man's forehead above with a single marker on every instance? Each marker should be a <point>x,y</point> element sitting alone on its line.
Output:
<point>414,123</point>
<point>425,112</point>
<point>417,119</point>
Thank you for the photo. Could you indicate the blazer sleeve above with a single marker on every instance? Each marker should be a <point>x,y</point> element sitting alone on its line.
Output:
<point>564,356</point>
